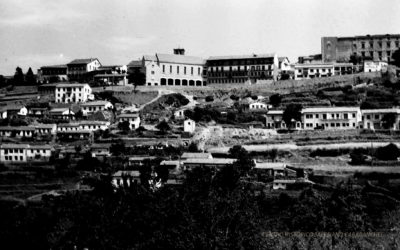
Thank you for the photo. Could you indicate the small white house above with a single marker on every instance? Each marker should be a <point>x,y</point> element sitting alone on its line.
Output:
<point>179,114</point>
<point>92,107</point>
<point>375,66</point>
<point>189,126</point>
<point>133,119</point>
<point>258,106</point>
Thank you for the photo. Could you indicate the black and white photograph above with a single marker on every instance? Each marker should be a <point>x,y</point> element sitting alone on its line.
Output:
<point>199,124</point>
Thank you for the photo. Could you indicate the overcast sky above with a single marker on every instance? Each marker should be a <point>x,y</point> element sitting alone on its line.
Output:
<point>46,32</point>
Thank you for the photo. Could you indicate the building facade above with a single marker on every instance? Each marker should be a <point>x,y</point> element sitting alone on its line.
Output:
<point>20,153</point>
<point>133,119</point>
<point>375,66</point>
<point>92,107</point>
<point>173,70</point>
<point>242,69</point>
<point>372,47</point>
<point>378,119</point>
<point>79,69</point>
<point>315,70</point>
<point>55,73</point>
<point>72,93</point>
<point>331,118</point>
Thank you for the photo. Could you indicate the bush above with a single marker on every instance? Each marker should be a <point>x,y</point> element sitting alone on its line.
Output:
<point>209,98</point>
<point>388,153</point>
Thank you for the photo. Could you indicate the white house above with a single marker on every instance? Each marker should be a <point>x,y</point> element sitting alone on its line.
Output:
<point>133,119</point>
<point>83,126</point>
<point>45,129</point>
<point>92,107</point>
<point>189,126</point>
<point>179,114</point>
<point>77,69</point>
<point>124,178</point>
<point>375,66</point>
<point>17,131</point>
<point>73,93</point>
<point>273,119</point>
<point>315,70</point>
<point>62,113</point>
<point>331,118</point>
<point>17,153</point>
<point>10,111</point>
<point>100,150</point>
<point>257,106</point>
<point>374,118</point>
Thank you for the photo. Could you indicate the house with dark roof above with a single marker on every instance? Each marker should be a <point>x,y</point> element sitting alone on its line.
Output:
<point>78,69</point>
<point>52,73</point>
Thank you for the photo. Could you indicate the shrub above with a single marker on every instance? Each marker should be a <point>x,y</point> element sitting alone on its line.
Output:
<point>388,153</point>
<point>209,98</point>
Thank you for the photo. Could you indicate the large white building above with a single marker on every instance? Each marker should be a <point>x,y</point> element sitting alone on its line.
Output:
<point>315,70</point>
<point>173,70</point>
<point>19,153</point>
<point>78,69</point>
<point>375,118</point>
<point>72,93</point>
<point>331,118</point>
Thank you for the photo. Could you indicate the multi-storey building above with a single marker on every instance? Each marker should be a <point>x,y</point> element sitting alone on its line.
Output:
<point>19,153</point>
<point>242,69</point>
<point>315,70</point>
<point>375,66</point>
<point>112,75</point>
<point>54,73</point>
<point>375,118</point>
<point>17,131</point>
<point>72,93</point>
<point>173,70</point>
<point>372,47</point>
<point>83,126</point>
<point>79,69</point>
<point>331,118</point>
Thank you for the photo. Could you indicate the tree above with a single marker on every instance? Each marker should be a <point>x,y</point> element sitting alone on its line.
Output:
<point>79,115</point>
<point>209,98</point>
<point>388,120</point>
<point>163,126</point>
<point>355,59</point>
<point>193,147</point>
<point>124,126</point>
<point>30,77</point>
<point>396,58</point>
<point>244,162</point>
<point>18,76</point>
<point>292,114</point>
<point>118,148</point>
<point>2,81</point>
<point>137,77</point>
<point>388,153</point>
<point>275,100</point>
<point>162,173</point>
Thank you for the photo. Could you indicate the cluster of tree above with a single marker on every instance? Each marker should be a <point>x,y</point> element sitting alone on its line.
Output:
<point>20,79</point>
<point>389,152</point>
<point>211,210</point>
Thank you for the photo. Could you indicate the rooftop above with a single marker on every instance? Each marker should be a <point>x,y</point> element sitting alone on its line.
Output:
<point>95,103</point>
<point>125,115</point>
<point>62,66</point>
<point>211,58</point>
<point>270,165</point>
<point>17,128</point>
<point>188,155</point>
<point>374,111</point>
<point>330,109</point>
<point>181,59</point>
<point>19,146</point>
<point>216,161</point>
<point>127,173</point>
<point>82,61</point>
<point>73,85</point>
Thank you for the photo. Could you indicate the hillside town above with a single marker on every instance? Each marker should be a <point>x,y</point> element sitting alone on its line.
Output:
<point>176,151</point>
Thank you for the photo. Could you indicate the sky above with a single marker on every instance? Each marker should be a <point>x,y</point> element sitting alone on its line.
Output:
<point>36,33</point>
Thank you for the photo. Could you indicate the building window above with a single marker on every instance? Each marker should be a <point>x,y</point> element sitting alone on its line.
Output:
<point>170,69</point>
<point>163,68</point>
<point>199,70</point>
<point>184,70</point>
<point>177,69</point>
<point>388,44</point>
<point>363,45</point>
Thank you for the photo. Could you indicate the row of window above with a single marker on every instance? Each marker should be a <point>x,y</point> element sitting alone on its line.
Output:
<point>20,151</point>
<point>242,80</point>
<point>332,125</point>
<point>178,68</point>
<point>238,68</point>
<point>379,44</point>
<point>332,116</point>
<point>240,62</point>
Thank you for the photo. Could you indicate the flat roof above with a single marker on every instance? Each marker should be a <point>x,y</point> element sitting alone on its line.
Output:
<point>132,173</point>
<point>373,111</point>
<point>16,128</point>
<point>330,109</point>
<point>69,85</point>
<point>26,146</point>
<point>236,57</point>
<point>127,115</point>
<point>95,103</point>
<point>196,155</point>
<point>217,161</point>
<point>270,165</point>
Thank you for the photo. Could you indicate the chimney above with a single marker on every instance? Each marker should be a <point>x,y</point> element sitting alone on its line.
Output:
<point>179,51</point>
